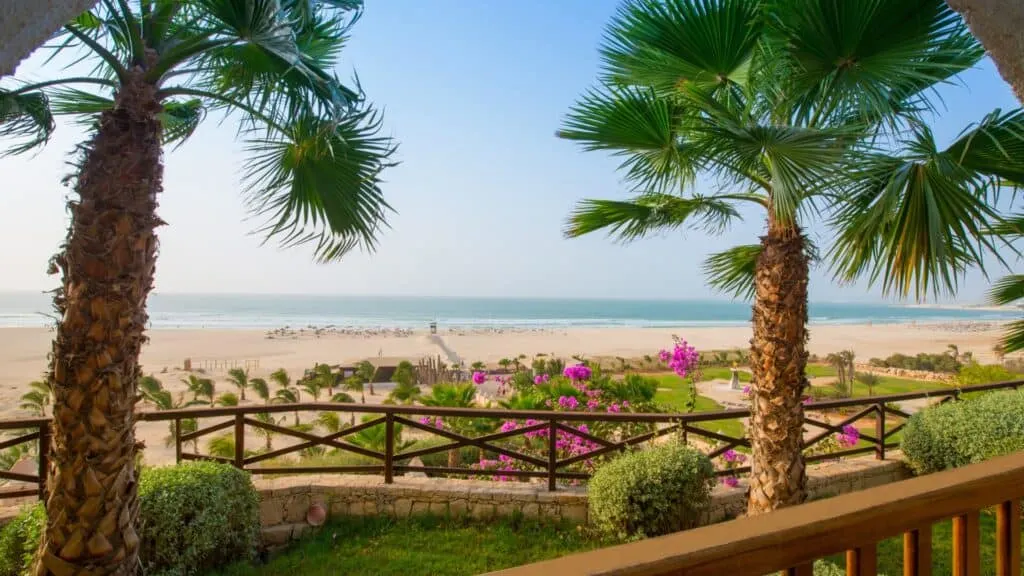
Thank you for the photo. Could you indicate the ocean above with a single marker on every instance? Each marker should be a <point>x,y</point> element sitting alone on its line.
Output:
<point>266,312</point>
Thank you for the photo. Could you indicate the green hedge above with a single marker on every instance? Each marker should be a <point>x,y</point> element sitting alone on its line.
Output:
<point>960,433</point>
<point>193,517</point>
<point>651,492</point>
<point>19,540</point>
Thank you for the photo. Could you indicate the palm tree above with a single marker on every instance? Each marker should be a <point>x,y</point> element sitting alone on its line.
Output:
<point>36,400</point>
<point>268,435</point>
<point>153,391</point>
<point>288,396</point>
<point>260,387</point>
<point>869,381</point>
<point>240,379</point>
<point>453,396</point>
<point>311,386</point>
<point>343,398</point>
<point>404,393</point>
<point>355,384</point>
<point>367,371</point>
<point>803,110</point>
<point>200,388</point>
<point>328,379</point>
<point>281,379</point>
<point>329,421</point>
<point>316,155</point>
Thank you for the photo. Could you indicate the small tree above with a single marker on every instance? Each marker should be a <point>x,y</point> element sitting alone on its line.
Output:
<point>37,399</point>
<point>227,399</point>
<point>405,373</point>
<point>288,396</point>
<point>200,388</point>
<point>869,381</point>
<point>260,387</point>
<point>240,379</point>
<point>367,371</point>
<point>355,384</point>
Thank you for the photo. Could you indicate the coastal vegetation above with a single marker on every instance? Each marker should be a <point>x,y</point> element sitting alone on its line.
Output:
<point>801,111</point>
<point>314,158</point>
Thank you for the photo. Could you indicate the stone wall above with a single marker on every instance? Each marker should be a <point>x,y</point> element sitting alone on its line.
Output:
<point>904,373</point>
<point>285,501</point>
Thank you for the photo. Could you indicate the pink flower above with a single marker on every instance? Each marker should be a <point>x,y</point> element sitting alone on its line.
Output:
<point>625,403</point>
<point>746,390</point>
<point>577,373</point>
<point>479,378</point>
<point>592,404</point>
<point>508,426</point>
<point>541,379</point>
<point>568,402</point>
<point>730,481</point>
<point>613,407</point>
<point>729,456</point>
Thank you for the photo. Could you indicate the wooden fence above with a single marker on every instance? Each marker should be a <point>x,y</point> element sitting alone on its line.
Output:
<point>391,459</point>
<point>790,540</point>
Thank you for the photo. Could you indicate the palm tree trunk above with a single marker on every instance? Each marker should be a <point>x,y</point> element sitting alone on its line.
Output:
<point>997,24</point>
<point>107,264</point>
<point>778,360</point>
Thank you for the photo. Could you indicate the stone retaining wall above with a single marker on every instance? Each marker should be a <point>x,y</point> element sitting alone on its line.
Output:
<point>285,501</point>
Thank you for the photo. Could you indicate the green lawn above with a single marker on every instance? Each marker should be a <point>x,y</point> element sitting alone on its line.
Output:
<point>819,370</point>
<point>890,552</point>
<point>375,546</point>
<point>673,393</point>
<point>458,547</point>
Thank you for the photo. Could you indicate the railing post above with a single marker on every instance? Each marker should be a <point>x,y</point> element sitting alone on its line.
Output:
<point>1008,550</point>
<point>552,454</point>
<point>177,440</point>
<point>44,458</point>
<point>240,441</point>
<point>389,447</point>
<point>880,431</point>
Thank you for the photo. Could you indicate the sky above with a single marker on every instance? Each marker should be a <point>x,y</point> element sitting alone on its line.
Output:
<point>473,91</point>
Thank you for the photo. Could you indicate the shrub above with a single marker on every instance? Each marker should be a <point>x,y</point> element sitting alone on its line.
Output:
<point>651,492</point>
<point>960,433</point>
<point>19,540</point>
<point>195,517</point>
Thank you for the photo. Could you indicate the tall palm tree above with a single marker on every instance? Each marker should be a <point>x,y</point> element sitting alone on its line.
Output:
<point>268,435</point>
<point>802,110</point>
<point>311,386</point>
<point>239,378</point>
<point>313,174</point>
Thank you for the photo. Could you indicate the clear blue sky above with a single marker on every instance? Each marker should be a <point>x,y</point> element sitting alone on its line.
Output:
<point>474,91</point>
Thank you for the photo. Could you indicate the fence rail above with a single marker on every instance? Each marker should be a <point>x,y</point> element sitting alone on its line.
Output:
<point>790,540</point>
<point>390,458</point>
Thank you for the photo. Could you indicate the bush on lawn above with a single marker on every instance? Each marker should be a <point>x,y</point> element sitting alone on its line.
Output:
<point>651,492</point>
<point>960,433</point>
<point>19,540</point>
<point>195,517</point>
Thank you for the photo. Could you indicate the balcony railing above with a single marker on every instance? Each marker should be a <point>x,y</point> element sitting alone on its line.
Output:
<point>790,540</point>
<point>391,459</point>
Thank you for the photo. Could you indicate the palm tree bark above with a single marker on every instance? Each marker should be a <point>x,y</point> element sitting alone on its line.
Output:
<point>778,359</point>
<point>107,264</point>
<point>27,24</point>
<point>999,25</point>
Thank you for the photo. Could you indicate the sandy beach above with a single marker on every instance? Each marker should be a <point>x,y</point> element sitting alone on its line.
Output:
<point>23,351</point>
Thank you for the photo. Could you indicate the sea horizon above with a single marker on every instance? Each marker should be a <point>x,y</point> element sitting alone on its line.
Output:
<point>266,311</point>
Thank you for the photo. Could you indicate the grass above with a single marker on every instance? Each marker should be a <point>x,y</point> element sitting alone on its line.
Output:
<point>373,546</point>
<point>890,552</point>
<point>459,547</point>
<point>674,392</point>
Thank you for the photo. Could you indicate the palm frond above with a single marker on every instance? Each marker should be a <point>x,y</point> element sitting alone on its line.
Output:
<point>994,146</point>
<point>637,126</point>
<point>84,107</point>
<point>666,43</point>
<point>27,118</point>
<point>1007,290</point>
<point>634,219</point>
<point>867,58</point>
<point>319,184</point>
<point>179,120</point>
<point>1013,337</point>
<point>731,271</point>
<point>914,222</point>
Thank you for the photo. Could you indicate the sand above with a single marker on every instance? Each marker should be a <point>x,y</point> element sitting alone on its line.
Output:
<point>23,351</point>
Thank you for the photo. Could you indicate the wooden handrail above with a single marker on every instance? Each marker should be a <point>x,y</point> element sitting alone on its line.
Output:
<point>795,537</point>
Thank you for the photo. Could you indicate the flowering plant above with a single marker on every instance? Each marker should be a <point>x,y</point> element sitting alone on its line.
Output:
<point>849,437</point>
<point>479,378</point>
<point>578,372</point>
<point>730,460</point>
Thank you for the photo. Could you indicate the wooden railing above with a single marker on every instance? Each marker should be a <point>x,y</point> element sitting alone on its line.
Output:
<point>790,540</point>
<point>390,459</point>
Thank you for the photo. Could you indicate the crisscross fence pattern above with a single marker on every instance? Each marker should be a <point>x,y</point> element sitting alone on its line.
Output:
<point>543,461</point>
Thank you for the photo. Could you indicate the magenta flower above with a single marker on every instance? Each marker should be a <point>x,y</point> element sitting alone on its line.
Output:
<point>613,407</point>
<point>746,390</point>
<point>577,373</point>
<point>682,360</point>
<point>808,401</point>
<point>625,403</point>
<point>541,379</point>
<point>508,426</point>
<point>479,378</point>
<point>730,481</point>
<point>729,455</point>
<point>592,404</point>
<point>568,402</point>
